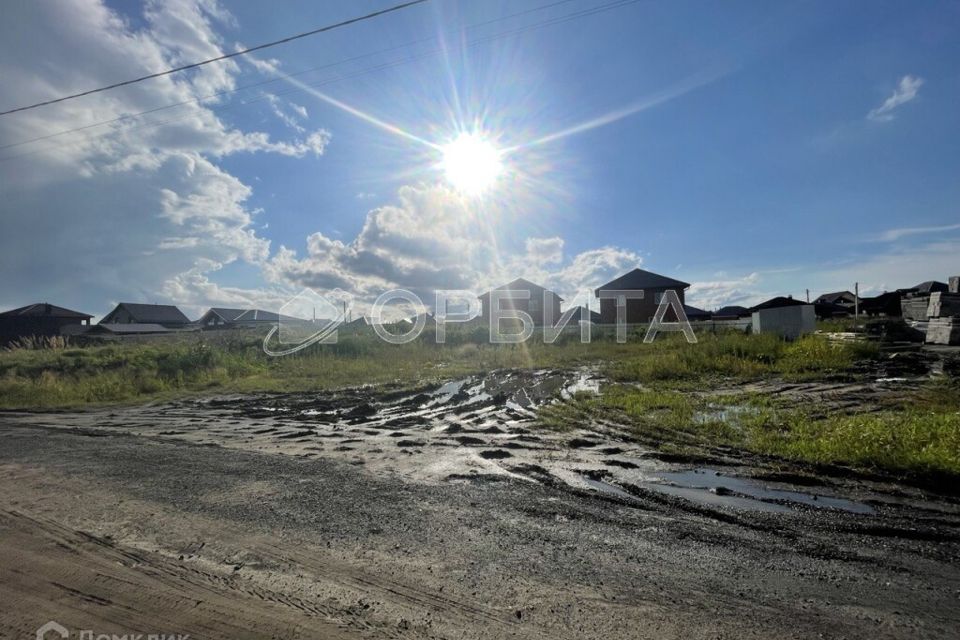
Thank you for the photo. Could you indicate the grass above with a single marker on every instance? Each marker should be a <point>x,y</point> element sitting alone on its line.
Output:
<point>662,389</point>
<point>917,438</point>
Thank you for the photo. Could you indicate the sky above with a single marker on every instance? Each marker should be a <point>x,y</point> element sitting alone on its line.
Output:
<point>751,149</point>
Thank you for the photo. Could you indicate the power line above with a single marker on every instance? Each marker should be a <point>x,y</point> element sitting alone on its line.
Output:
<point>225,56</point>
<point>568,17</point>
<point>254,85</point>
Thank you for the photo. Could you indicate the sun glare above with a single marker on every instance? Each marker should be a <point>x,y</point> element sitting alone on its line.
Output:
<point>471,163</point>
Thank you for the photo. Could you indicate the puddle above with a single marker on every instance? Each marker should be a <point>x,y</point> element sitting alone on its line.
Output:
<point>710,483</point>
<point>586,383</point>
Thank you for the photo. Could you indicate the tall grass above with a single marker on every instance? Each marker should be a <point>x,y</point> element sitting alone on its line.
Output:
<point>162,367</point>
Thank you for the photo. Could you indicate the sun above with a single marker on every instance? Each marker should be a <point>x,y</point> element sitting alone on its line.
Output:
<point>471,163</point>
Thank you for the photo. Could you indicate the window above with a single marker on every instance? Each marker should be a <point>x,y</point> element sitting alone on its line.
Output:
<point>658,297</point>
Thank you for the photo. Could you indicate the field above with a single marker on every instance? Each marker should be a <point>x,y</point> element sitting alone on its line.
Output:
<point>739,487</point>
<point>917,434</point>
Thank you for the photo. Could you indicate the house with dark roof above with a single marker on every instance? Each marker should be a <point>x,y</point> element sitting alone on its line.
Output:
<point>777,303</point>
<point>931,286</point>
<point>639,310</point>
<point>165,315</point>
<point>885,304</point>
<point>542,304</point>
<point>225,318</point>
<point>694,314</point>
<point>839,298</point>
<point>730,312</point>
<point>580,315</point>
<point>40,319</point>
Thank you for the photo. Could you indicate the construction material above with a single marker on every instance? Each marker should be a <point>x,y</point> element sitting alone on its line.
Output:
<point>943,331</point>
<point>943,305</point>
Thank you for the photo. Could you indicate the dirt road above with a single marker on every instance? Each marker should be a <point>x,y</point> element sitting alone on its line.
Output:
<point>443,514</point>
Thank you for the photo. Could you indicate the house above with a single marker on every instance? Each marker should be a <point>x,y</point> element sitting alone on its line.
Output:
<point>224,318</point>
<point>580,314</point>
<point>165,315</point>
<point>41,319</point>
<point>696,315</point>
<point>839,298</point>
<point>652,285</point>
<point>931,286</point>
<point>827,310</point>
<point>730,312</point>
<point>128,329</point>
<point>542,304</point>
<point>777,303</point>
<point>885,304</point>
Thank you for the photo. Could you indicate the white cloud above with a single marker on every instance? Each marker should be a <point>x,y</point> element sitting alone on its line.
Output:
<point>905,92</point>
<point>892,235</point>
<point>130,210</point>
<point>430,240</point>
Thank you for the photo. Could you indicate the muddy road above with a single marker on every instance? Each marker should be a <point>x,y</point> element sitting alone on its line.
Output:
<point>445,513</point>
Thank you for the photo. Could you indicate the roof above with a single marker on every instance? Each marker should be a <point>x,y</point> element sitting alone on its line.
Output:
<point>640,279</point>
<point>832,298</point>
<point>44,309</point>
<point>152,313</point>
<point>521,284</point>
<point>578,315</point>
<point>694,312</point>
<point>731,311</point>
<point>932,286</point>
<point>776,303</point>
<point>249,315</point>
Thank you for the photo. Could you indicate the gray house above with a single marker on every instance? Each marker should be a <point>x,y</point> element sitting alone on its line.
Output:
<point>165,315</point>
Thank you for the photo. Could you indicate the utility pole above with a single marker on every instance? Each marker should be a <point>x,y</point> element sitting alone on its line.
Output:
<point>808,296</point>
<point>856,304</point>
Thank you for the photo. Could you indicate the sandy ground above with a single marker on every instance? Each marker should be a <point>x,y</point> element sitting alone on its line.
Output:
<point>443,513</point>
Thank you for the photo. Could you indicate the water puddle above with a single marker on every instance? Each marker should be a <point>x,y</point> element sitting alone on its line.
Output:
<point>713,483</point>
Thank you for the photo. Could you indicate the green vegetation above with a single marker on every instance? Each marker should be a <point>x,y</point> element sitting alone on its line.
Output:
<point>662,390</point>
<point>165,367</point>
<point>917,437</point>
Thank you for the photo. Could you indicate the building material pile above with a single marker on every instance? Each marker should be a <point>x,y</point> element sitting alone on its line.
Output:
<point>943,331</point>
<point>943,312</point>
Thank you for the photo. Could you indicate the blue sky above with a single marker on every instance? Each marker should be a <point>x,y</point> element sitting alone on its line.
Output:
<point>786,146</point>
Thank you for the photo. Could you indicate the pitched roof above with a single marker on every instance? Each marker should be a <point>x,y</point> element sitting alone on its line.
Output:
<point>832,298</point>
<point>152,313</point>
<point>520,284</point>
<point>640,279</point>
<point>240,316</point>
<point>776,303</point>
<point>579,316</point>
<point>44,309</point>
<point>694,312</point>
<point>931,286</point>
<point>731,311</point>
<point>228,315</point>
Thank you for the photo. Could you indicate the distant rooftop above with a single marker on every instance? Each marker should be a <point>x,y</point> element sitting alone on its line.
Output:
<point>44,309</point>
<point>641,279</point>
